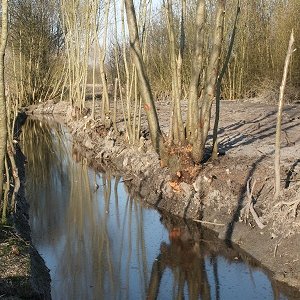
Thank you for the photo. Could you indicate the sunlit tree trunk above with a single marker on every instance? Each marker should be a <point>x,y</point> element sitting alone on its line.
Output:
<point>127,111</point>
<point>209,92</point>
<point>197,65</point>
<point>105,97</point>
<point>176,67</point>
<point>144,86</point>
<point>279,116</point>
<point>3,116</point>
<point>11,152</point>
<point>219,85</point>
<point>5,196</point>
<point>78,31</point>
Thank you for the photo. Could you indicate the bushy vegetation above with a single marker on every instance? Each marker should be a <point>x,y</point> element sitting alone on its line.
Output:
<point>42,38</point>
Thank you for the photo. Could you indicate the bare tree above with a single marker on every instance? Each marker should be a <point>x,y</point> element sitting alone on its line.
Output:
<point>3,116</point>
<point>197,65</point>
<point>219,84</point>
<point>176,126</point>
<point>198,120</point>
<point>35,53</point>
<point>145,90</point>
<point>209,90</point>
<point>78,31</point>
<point>279,116</point>
<point>105,98</point>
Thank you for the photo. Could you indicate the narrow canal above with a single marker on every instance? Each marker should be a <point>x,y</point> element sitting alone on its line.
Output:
<point>101,244</point>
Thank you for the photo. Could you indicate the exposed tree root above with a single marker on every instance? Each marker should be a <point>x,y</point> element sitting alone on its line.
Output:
<point>249,207</point>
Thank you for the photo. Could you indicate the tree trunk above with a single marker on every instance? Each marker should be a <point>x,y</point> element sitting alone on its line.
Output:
<point>197,65</point>
<point>144,86</point>
<point>210,84</point>
<point>279,116</point>
<point>219,85</point>
<point>3,116</point>
<point>176,67</point>
<point>5,196</point>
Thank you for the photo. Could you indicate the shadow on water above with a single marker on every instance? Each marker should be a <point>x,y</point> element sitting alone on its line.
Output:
<point>101,244</point>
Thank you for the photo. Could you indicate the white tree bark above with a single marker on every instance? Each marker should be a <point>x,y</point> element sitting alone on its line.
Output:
<point>279,116</point>
<point>3,116</point>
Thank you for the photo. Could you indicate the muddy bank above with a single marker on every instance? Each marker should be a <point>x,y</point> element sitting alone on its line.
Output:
<point>23,273</point>
<point>217,199</point>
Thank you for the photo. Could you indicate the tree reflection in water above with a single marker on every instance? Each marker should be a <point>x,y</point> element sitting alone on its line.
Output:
<point>185,258</point>
<point>99,243</point>
<point>199,262</point>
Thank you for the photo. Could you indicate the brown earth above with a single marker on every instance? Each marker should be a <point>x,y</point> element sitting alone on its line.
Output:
<point>219,198</point>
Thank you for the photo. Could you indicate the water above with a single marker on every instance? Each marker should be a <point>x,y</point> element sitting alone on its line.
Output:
<point>101,244</point>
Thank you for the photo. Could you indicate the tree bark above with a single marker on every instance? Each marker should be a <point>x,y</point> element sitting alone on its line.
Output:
<point>210,84</point>
<point>279,116</point>
<point>197,65</point>
<point>144,86</point>
<point>219,85</point>
<point>176,67</point>
<point>3,116</point>
<point>105,97</point>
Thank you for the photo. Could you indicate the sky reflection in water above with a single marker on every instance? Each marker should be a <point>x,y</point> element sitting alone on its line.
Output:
<point>100,244</point>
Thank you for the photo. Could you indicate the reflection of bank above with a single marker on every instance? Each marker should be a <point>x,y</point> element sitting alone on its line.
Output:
<point>203,267</point>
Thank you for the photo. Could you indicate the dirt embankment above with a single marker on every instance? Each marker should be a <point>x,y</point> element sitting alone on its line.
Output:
<point>233,195</point>
<point>23,273</point>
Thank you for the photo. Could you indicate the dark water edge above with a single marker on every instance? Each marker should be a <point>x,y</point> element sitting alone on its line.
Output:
<point>100,244</point>
<point>35,285</point>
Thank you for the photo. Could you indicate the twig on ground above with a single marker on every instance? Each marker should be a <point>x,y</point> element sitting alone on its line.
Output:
<point>264,153</point>
<point>207,222</point>
<point>288,142</point>
<point>292,204</point>
<point>275,250</point>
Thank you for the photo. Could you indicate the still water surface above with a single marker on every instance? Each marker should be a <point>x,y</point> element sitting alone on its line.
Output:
<point>99,243</point>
